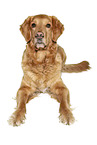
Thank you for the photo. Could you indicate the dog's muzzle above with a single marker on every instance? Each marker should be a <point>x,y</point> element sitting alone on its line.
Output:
<point>39,41</point>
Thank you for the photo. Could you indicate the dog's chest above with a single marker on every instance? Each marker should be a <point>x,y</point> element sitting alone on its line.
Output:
<point>50,66</point>
<point>42,73</point>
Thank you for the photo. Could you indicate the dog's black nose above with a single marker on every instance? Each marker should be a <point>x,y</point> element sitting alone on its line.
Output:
<point>39,35</point>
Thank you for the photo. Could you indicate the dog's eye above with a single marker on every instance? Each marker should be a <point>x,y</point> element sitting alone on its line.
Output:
<point>48,25</point>
<point>33,25</point>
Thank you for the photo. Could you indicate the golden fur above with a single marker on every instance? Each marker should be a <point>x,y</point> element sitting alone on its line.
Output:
<point>42,64</point>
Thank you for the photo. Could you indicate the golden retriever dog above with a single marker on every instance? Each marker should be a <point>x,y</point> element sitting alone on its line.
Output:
<point>42,63</point>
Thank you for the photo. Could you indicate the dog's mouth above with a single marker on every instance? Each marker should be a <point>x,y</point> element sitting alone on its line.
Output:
<point>39,45</point>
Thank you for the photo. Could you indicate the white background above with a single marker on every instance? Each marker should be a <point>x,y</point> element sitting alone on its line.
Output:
<point>79,41</point>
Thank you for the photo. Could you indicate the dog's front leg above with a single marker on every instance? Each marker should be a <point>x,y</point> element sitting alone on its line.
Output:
<point>24,94</point>
<point>60,92</point>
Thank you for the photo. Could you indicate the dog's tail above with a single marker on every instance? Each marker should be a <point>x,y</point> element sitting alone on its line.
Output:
<point>75,68</point>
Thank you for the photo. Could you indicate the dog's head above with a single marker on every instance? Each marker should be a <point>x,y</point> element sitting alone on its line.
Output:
<point>41,30</point>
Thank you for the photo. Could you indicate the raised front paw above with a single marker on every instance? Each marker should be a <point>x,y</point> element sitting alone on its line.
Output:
<point>17,118</point>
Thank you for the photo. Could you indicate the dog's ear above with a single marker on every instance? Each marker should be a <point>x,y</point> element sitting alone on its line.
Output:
<point>26,29</point>
<point>57,27</point>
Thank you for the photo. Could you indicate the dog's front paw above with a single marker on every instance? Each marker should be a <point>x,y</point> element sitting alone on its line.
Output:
<point>67,117</point>
<point>17,118</point>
